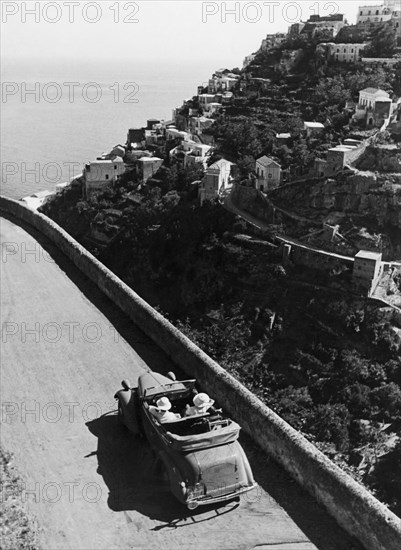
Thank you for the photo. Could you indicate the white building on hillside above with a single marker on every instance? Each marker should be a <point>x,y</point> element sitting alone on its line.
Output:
<point>101,174</point>
<point>268,173</point>
<point>348,53</point>
<point>367,270</point>
<point>190,152</point>
<point>369,96</point>
<point>312,128</point>
<point>217,178</point>
<point>379,13</point>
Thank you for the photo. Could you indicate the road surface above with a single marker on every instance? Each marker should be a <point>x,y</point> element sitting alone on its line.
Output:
<point>65,349</point>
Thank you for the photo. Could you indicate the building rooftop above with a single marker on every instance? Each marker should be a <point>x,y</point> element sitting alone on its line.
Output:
<point>220,163</point>
<point>266,161</point>
<point>343,148</point>
<point>107,161</point>
<point>314,124</point>
<point>368,255</point>
<point>149,159</point>
<point>375,92</point>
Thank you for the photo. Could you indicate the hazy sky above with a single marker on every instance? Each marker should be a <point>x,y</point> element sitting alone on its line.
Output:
<point>165,30</point>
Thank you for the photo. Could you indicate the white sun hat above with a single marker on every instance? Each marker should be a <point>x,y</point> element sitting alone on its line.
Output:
<point>163,404</point>
<point>202,400</point>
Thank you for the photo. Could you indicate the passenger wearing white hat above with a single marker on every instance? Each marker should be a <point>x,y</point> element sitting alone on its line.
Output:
<point>202,404</point>
<point>162,411</point>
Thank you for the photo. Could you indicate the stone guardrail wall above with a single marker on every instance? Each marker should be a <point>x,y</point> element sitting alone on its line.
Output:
<point>354,508</point>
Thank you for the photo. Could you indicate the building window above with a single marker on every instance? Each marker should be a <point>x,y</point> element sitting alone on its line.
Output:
<point>369,12</point>
<point>107,177</point>
<point>377,12</point>
<point>361,13</point>
<point>352,51</point>
<point>115,167</point>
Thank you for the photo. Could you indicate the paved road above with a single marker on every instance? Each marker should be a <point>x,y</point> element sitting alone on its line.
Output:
<point>65,349</point>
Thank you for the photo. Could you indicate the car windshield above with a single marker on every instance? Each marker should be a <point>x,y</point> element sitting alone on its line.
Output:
<point>176,389</point>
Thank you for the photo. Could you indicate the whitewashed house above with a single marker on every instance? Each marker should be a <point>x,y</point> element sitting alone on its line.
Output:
<point>268,173</point>
<point>101,174</point>
<point>218,177</point>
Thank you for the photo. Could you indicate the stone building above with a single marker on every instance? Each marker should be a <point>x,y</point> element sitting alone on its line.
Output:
<point>268,174</point>
<point>148,166</point>
<point>325,26</point>
<point>377,14</point>
<point>348,53</point>
<point>217,178</point>
<point>312,128</point>
<point>102,174</point>
<point>374,108</point>
<point>367,270</point>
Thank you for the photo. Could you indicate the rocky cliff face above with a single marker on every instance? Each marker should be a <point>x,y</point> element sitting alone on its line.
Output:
<point>371,200</point>
<point>381,158</point>
<point>364,194</point>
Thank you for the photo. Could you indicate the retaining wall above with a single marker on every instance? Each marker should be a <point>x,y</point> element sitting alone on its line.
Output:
<point>318,259</point>
<point>355,509</point>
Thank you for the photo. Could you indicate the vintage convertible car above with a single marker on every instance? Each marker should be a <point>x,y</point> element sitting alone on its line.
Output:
<point>203,459</point>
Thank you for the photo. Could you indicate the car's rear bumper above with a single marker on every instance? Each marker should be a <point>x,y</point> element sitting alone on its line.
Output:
<point>205,500</point>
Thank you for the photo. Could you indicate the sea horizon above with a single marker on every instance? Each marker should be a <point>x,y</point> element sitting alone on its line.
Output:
<point>58,114</point>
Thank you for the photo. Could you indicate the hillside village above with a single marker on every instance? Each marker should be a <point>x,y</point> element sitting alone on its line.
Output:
<point>336,180</point>
<point>265,219</point>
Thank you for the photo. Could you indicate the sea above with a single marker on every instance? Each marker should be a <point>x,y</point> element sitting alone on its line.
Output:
<point>57,115</point>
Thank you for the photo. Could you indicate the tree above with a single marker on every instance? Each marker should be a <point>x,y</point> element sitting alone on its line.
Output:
<point>332,91</point>
<point>330,423</point>
<point>388,400</point>
<point>384,41</point>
